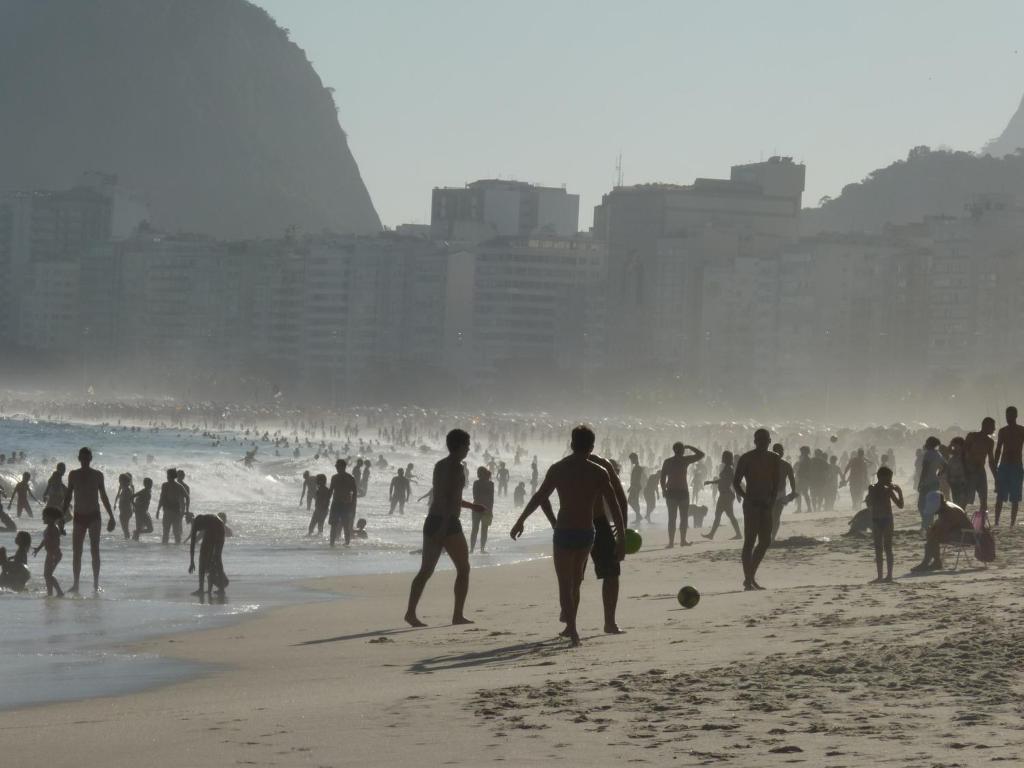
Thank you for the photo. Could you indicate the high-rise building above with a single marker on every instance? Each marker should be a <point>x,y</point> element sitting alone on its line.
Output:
<point>483,210</point>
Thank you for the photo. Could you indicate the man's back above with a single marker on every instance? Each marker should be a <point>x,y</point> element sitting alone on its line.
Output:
<point>86,483</point>
<point>674,472</point>
<point>579,483</point>
<point>976,448</point>
<point>760,469</point>
<point>1012,439</point>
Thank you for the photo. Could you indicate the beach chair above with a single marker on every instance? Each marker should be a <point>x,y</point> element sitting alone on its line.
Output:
<point>965,541</point>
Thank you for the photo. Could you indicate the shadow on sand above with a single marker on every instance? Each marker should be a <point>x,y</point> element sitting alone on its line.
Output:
<point>503,655</point>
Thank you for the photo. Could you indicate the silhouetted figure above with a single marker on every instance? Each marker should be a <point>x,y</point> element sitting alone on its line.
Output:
<point>651,486</point>
<point>308,489</point>
<point>211,563</point>
<point>20,494</point>
<point>123,500</point>
<point>1009,467</point>
<point>881,496</point>
<point>502,477</point>
<point>676,491</point>
<point>172,504</point>
<point>483,496</point>
<point>140,505</point>
<point>785,475</point>
<point>949,520</point>
<point>932,465</point>
<point>364,480</point>
<point>726,497</point>
<point>756,484</point>
<point>442,530</point>
<point>636,486</point>
<point>344,491</point>
<point>322,496</point>
<point>519,494</point>
<point>978,449</point>
<point>86,489</point>
<point>187,498</point>
<point>856,475</point>
<point>956,472</point>
<point>53,494</point>
<point>581,485</point>
<point>804,479</point>
<point>54,519</point>
<point>399,492</point>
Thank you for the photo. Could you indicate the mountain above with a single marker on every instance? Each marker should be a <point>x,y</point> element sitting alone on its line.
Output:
<point>928,183</point>
<point>1012,137</point>
<point>205,108</point>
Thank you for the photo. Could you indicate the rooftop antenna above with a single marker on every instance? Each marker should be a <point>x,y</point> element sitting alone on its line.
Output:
<point>618,170</point>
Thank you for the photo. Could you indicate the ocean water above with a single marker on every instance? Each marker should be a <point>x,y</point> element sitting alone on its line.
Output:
<point>74,648</point>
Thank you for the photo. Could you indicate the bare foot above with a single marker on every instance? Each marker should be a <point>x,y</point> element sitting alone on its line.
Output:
<point>198,593</point>
<point>876,581</point>
<point>613,629</point>
<point>412,621</point>
<point>708,535</point>
<point>564,632</point>
<point>755,585</point>
<point>737,537</point>
<point>669,545</point>
<point>748,587</point>
<point>574,639</point>
<point>888,580</point>
<point>460,620</point>
<point>73,590</point>
<point>685,543</point>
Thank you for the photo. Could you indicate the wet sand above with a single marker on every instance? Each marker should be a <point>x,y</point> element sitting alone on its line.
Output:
<point>821,669</point>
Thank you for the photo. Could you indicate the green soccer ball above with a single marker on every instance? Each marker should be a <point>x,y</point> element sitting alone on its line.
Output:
<point>633,541</point>
<point>688,597</point>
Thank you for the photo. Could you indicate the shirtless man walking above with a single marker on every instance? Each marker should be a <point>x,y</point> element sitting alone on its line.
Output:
<point>757,484</point>
<point>442,530</point>
<point>582,485</point>
<point>86,489</point>
<point>676,491</point>
<point>782,499</point>
<point>1009,465</point>
<point>979,448</point>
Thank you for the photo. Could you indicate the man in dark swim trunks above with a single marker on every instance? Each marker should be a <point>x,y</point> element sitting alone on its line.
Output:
<point>442,530</point>
<point>607,554</point>
<point>344,490</point>
<point>676,490</point>
<point>1009,465</point>
<point>757,484</point>
<point>86,489</point>
<point>581,485</point>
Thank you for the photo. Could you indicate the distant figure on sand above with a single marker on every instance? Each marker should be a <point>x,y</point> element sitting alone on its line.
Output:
<point>442,530</point>
<point>676,491</point>
<point>881,496</point>
<point>1009,466</point>
<point>978,451</point>
<point>581,485</point>
<point>782,499</point>
<point>756,484</point>
<point>86,490</point>
<point>726,497</point>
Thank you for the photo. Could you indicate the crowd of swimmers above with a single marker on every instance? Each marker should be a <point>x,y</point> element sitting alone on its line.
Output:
<point>80,500</point>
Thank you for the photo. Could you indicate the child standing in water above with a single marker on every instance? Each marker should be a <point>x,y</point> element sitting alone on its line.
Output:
<point>143,522</point>
<point>20,493</point>
<point>53,518</point>
<point>483,494</point>
<point>881,496</point>
<point>124,502</point>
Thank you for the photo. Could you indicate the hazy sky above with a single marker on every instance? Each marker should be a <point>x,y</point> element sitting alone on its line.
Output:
<point>440,92</point>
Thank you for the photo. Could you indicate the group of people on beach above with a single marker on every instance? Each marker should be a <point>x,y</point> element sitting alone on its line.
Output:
<point>79,502</point>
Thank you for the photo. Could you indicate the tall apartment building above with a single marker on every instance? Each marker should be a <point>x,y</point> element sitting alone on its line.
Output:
<point>708,224</point>
<point>489,208</point>
<point>532,314</point>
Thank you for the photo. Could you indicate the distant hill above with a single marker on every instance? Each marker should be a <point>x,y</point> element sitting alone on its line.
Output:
<point>1012,137</point>
<point>204,107</point>
<point>928,183</point>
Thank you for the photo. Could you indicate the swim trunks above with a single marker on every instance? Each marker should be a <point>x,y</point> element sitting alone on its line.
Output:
<point>977,483</point>
<point>432,526</point>
<point>1009,482</point>
<point>339,512</point>
<point>573,538</point>
<point>757,520</point>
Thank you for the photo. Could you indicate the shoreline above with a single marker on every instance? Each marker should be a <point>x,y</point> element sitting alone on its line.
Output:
<point>793,673</point>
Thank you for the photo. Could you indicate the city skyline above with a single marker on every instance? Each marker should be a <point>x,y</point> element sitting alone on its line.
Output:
<point>413,115</point>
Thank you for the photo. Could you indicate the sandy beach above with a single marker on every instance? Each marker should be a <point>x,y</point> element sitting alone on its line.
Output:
<point>822,669</point>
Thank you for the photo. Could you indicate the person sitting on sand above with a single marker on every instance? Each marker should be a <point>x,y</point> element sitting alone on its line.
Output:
<point>949,520</point>
<point>211,564</point>
<point>442,530</point>
<point>54,519</point>
<point>581,485</point>
<point>881,496</point>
